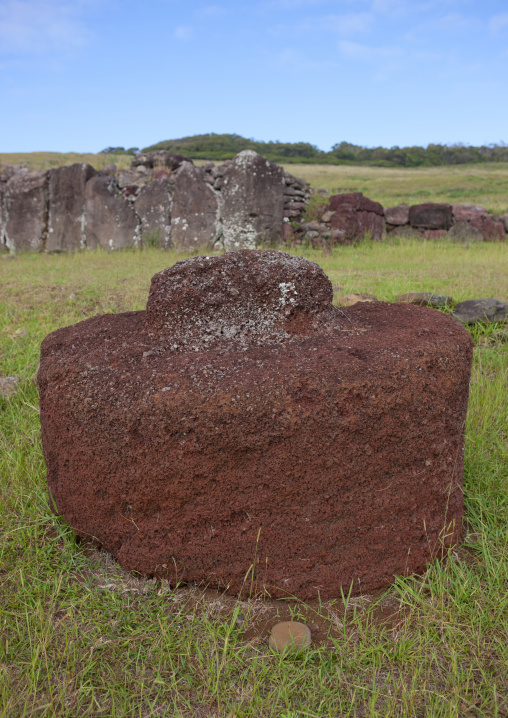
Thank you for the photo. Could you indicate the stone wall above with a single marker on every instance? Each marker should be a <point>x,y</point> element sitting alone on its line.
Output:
<point>349,217</point>
<point>162,200</point>
<point>165,200</point>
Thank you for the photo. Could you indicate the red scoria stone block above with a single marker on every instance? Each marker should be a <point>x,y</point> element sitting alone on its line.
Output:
<point>242,420</point>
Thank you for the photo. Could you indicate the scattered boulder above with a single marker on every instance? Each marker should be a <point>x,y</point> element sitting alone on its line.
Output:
<point>398,215</point>
<point>195,219</point>
<point>504,219</point>
<point>153,207</point>
<point>8,386</point>
<point>473,311</point>
<point>66,224</point>
<point>252,203</point>
<point>242,415</point>
<point>289,635</point>
<point>347,300</point>
<point>425,299</point>
<point>26,211</point>
<point>463,231</point>
<point>110,220</point>
<point>430,215</point>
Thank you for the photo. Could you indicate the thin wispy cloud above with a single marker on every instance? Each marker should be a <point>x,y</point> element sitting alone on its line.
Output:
<point>367,53</point>
<point>344,25</point>
<point>183,32</point>
<point>37,26</point>
<point>498,23</point>
<point>210,11</point>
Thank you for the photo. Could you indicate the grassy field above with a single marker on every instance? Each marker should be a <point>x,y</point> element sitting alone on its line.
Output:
<point>81,637</point>
<point>485,184</point>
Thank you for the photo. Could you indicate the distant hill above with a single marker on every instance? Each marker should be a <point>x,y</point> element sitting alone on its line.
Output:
<point>223,147</point>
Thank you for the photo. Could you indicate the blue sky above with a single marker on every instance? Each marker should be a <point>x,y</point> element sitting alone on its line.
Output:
<point>79,75</point>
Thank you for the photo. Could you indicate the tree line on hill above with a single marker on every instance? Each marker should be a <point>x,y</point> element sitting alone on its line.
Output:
<point>223,147</point>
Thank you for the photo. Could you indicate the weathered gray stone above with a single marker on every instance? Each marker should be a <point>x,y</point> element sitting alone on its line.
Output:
<point>159,158</point>
<point>481,310</point>
<point>252,201</point>
<point>8,386</point>
<point>465,232</point>
<point>195,214</point>
<point>66,224</point>
<point>111,222</point>
<point>505,221</point>
<point>398,215</point>
<point>26,211</point>
<point>153,207</point>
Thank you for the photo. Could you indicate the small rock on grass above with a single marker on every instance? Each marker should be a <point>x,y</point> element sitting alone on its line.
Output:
<point>425,299</point>
<point>8,386</point>
<point>489,310</point>
<point>289,635</point>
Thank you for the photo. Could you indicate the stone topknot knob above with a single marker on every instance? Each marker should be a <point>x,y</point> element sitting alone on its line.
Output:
<point>240,295</point>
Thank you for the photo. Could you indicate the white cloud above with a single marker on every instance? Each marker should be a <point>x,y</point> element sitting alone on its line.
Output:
<point>210,11</point>
<point>294,60</point>
<point>344,25</point>
<point>366,53</point>
<point>183,32</point>
<point>35,26</point>
<point>498,23</point>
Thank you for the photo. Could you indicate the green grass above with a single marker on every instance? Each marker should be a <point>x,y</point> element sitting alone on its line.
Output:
<point>485,184</point>
<point>81,637</point>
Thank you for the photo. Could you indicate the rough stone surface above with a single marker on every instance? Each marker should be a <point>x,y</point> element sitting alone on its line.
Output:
<point>252,201</point>
<point>26,211</point>
<point>158,159</point>
<point>243,416</point>
<point>465,232</point>
<point>398,215</point>
<point>491,228</point>
<point>349,225</point>
<point>290,635</point>
<point>425,299</point>
<point>406,232</point>
<point>504,219</point>
<point>356,201</point>
<point>66,223</point>
<point>481,310</point>
<point>467,212</point>
<point>195,214</point>
<point>355,216</point>
<point>111,222</point>
<point>8,386</point>
<point>431,216</point>
<point>153,207</point>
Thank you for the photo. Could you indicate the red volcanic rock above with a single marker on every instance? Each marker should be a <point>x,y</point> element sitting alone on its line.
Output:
<point>242,420</point>
<point>492,228</point>
<point>348,226</point>
<point>398,215</point>
<point>353,217</point>
<point>430,215</point>
<point>356,201</point>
